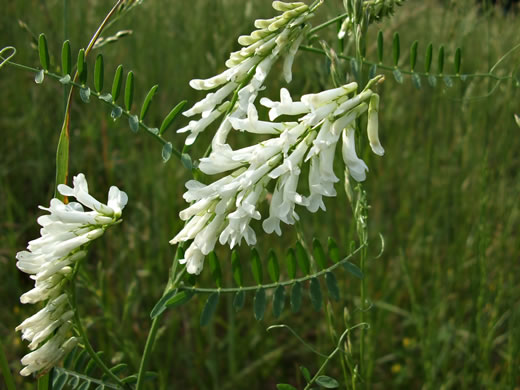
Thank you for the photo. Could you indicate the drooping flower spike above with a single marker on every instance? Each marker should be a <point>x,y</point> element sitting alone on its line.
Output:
<point>222,211</point>
<point>66,232</point>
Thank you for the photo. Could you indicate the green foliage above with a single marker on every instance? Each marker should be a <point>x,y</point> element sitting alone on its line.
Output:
<point>396,49</point>
<point>256,266</point>
<point>117,83</point>
<point>147,101</point>
<point>259,304</point>
<point>171,116</point>
<point>66,58</point>
<point>303,259</point>
<point>129,91</point>
<point>273,268</point>
<point>278,301</point>
<point>327,382</point>
<point>99,73</point>
<point>209,309</point>
<point>214,266</point>
<point>81,67</point>
<point>236,269</point>
<point>43,50</point>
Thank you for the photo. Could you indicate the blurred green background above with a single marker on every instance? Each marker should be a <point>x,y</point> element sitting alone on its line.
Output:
<point>445,197</point>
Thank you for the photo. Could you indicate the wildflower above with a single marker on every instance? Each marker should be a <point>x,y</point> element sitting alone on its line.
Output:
<point>66,232</point>
<point>249,67</point>
<point>223,210</point>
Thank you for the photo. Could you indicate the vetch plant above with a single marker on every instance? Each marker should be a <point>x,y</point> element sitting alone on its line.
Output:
<point>292,165</point>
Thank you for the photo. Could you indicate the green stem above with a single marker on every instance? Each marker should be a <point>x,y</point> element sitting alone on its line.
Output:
<point>327,360</point>
<point>147,351</point>
<point>173,280</point>
<point>4,367</point>
<point>327,23</point>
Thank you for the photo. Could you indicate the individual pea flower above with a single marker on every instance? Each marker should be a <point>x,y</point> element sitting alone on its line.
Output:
<point>249,67</point>
<point>223,210</point>
<point>66,233</point>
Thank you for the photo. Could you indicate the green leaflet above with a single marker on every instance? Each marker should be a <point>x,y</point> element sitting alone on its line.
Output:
<point>171,116</point>
<point>99,73</point>
<point>296,297</point>
<point>66,58</point>
<point>396,49</point>
<point>147,101</point>
<point>256,266</point>
<point>214,266</point>
<point>236,268</point>
<point>209,309</point>
<point>413,55</point>
<point>428,59</point>
<point>333,250</point>
<point>82,67</point>
<point>116,84</point>
<point>278,301</point>
<point>315,294</point>
<point>327,382</point>
<point>319,254</point>
<point>303,258</point>
<point>62,157</point>
<point>239,300</point>
<point>259,304</point>
<point>273,268</point>
<point>290,261</point>
<point>43,51</point>
<point>129,91</point>
<point>332,285</point>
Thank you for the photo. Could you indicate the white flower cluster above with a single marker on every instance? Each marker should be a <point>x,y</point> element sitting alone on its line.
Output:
<point>223,209</point>
<point>65,233</point>
<point>249,67</point>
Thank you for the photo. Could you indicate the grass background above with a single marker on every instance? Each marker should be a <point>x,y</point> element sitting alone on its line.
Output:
<point>445,197</point>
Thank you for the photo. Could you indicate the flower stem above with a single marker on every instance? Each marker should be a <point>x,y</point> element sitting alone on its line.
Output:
<point>173,281</point>
<point>146,353</point>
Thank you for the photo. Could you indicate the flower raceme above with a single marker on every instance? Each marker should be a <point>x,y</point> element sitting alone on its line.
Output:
<point>248,68</point>
<point>66,232</point>
<point>222,211</point>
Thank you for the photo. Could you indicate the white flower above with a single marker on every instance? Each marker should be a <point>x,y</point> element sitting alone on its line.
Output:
<point>65,233</point>
<point>253,125</point>
<point>194,259</point>
<point>355,165</point>
<point>224,209</point>
<point>285,106</point>
<point>373,124</point>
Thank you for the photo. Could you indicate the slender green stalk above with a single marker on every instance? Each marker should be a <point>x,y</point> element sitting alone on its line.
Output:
<point>329,357</point>
<point>173,281</point>
<point>147,350</point>
<point>4,367</point>
<point>327,23</point>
